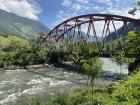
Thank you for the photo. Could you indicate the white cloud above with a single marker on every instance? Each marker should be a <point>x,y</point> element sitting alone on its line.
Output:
<point>83,1</point>
<point>25,8</point>
<point>77,7</point>
<point>106,2</point>
<point>96,8</point>
<point>61,16</point>
<point>120,11</point>
<point>66,3</point>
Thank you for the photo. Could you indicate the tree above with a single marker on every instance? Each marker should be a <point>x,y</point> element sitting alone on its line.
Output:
<point>89,62</point>
<point>92,67</point>
<point>133,45</point>
<point>40,37</point>
<point>122,60</point>
<point>135,9</point>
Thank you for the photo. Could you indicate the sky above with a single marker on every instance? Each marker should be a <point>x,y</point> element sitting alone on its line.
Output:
<point>53,12</point>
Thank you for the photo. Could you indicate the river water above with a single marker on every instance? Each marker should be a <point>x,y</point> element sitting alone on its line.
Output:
<point>17,85</point>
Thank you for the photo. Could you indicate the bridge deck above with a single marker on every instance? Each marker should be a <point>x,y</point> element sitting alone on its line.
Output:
<point>103,54</point>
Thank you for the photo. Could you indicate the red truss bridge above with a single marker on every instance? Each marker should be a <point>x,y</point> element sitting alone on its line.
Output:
<point>102,29</point>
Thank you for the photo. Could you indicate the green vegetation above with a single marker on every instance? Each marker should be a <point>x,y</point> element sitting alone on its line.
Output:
<point>133,46</point>
<point>122,60</point>
<point>11,40</point>
<point>4,42</point>
<point>88,62</point>
<point>21,52</point>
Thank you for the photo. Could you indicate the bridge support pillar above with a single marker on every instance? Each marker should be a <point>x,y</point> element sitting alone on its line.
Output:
<point>56,57</point>
<point>133,66</point>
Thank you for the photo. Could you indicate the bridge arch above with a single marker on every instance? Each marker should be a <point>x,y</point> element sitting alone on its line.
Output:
<point>72,28</point>
<point>63,28</point>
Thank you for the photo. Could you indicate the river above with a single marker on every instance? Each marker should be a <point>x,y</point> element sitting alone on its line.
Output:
<point>17,85</point>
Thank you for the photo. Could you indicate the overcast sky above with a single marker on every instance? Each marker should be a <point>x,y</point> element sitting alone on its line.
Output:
<point>52,12</point>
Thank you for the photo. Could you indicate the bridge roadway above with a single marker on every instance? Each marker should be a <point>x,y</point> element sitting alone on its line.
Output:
<point>101,54</point>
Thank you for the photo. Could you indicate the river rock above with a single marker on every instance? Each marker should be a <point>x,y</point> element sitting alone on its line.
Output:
<point>37,66</point>
<point>47,65</point>
<point>34,66</point>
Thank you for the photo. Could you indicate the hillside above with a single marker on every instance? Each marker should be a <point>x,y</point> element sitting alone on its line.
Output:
<point>91,38</point>
<point>13,24</point>
<point>7,41</point>
<point>125,31</point>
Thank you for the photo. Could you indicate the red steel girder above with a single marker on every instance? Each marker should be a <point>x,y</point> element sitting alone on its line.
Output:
<point>91,17</point>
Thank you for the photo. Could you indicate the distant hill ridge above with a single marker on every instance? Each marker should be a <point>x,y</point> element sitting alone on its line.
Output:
<point>12,24</point>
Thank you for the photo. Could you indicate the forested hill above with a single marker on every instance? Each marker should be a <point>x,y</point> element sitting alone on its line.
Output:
<point>125,31</point>
<point>12,24</point>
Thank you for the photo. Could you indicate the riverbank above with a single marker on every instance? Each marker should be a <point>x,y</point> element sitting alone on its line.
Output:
<point>106,74</point>
<point>37,66</point>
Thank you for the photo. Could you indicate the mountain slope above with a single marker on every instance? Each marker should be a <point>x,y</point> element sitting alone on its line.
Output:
<point>89,38</point>
<point>123,33</point>
<point>13,24</point>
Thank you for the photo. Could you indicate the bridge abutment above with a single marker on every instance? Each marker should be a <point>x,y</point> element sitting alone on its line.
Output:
<point>56,57</point>
<point>133,66</point>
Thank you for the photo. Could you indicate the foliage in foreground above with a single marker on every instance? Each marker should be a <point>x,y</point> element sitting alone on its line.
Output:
<point>125,93</point>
